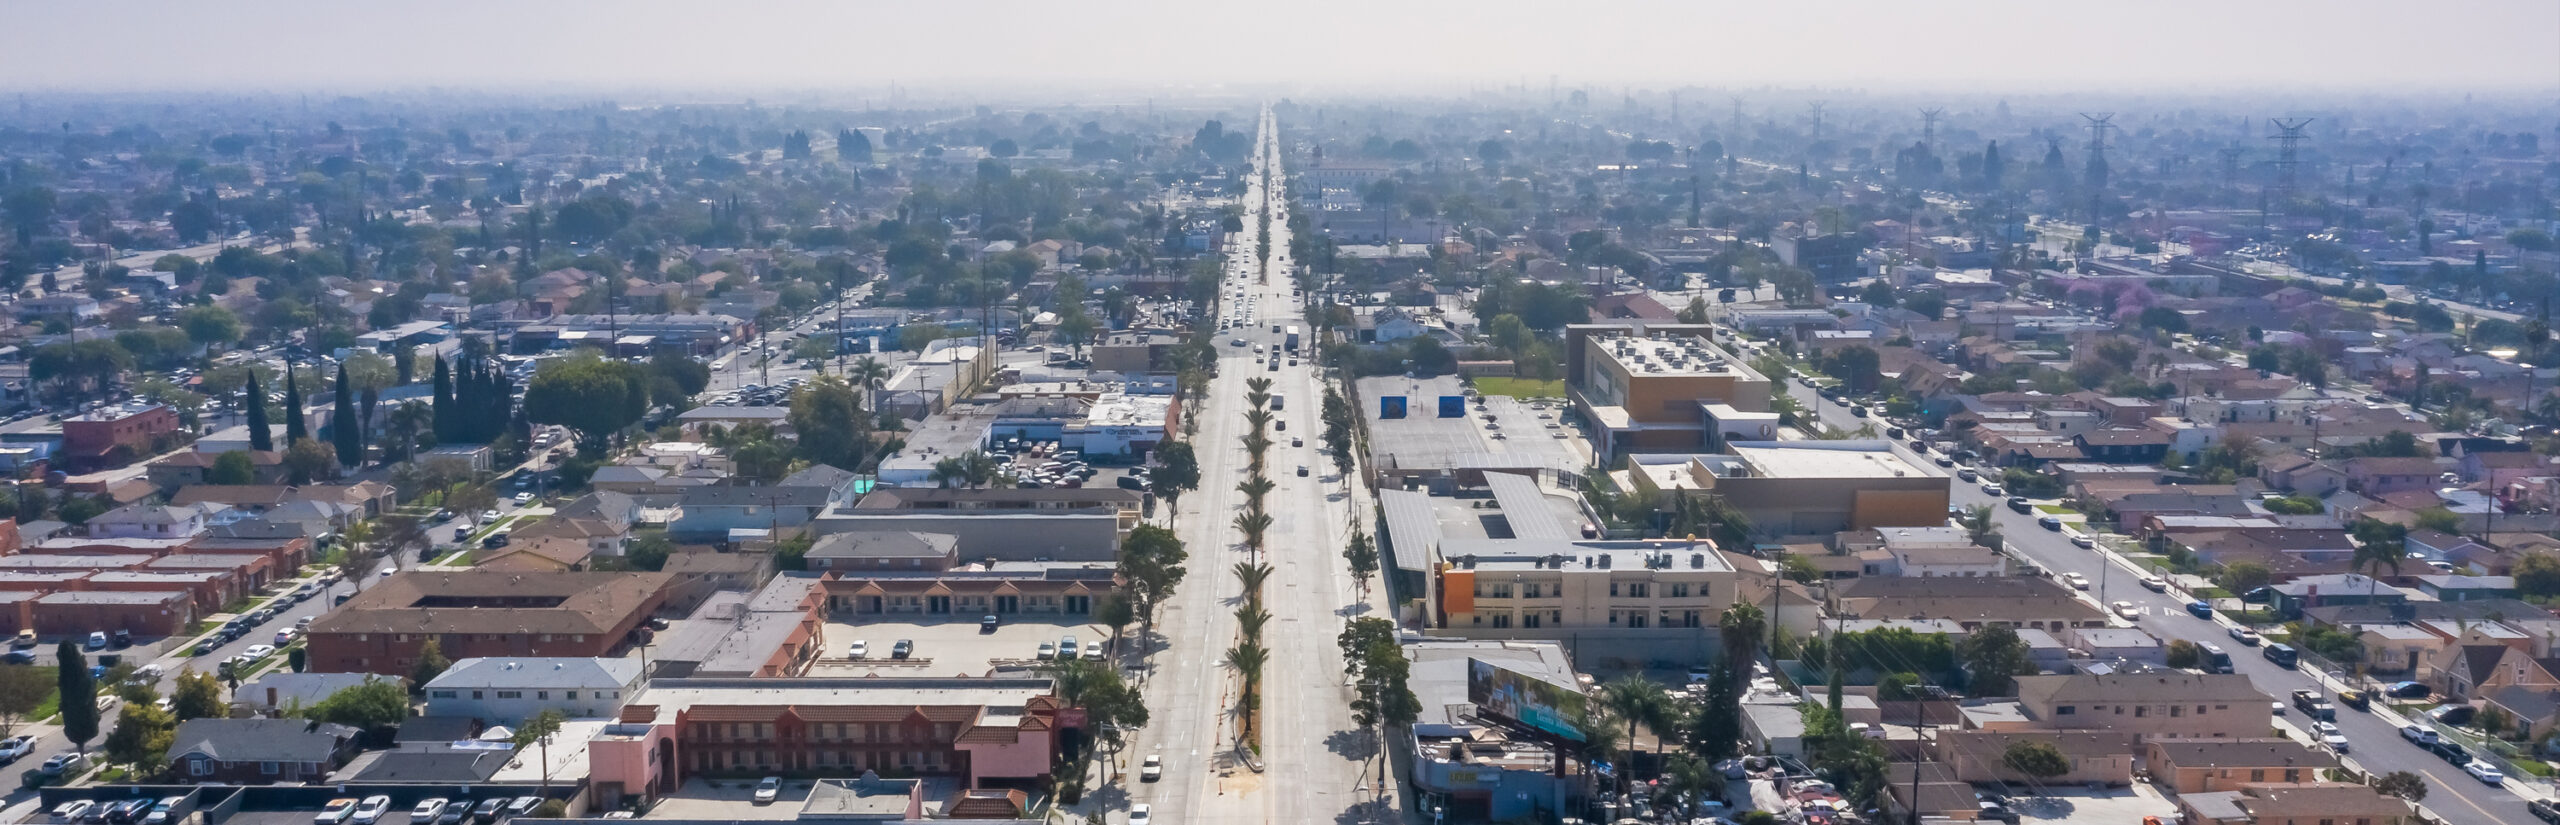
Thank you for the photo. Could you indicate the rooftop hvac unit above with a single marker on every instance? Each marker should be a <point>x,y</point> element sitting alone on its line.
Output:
<point>1697,561</point>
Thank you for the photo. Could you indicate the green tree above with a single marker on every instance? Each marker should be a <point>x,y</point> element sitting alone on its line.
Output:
<point>649,551</point>
<point>1116,610</point>
<point>1362,556</point>
<point>306,460</point>
<point>2244,576</point>
<point>827,417</point>
<point>196,696</point>
<point>2537,574</point>
<point>588,394</point>
<point>374,705</point>
<point>2036,758</point>
<point>232,467</point>
<point>1996,657</point>
<point>1177,471</point>
<point>2183,654</point>
<point>2402,784</point>
<point>1151,563</point>
<point>209,325</point>
<point>431,663</point>
<point>22,690</point>
<point>142,735</point>
<point>1715,731</point>
<point>79,701</point>
<point>1375,662</point>
<point>1636,699</point>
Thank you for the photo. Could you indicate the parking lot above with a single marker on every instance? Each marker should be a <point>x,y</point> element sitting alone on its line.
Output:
<point>955,645</point>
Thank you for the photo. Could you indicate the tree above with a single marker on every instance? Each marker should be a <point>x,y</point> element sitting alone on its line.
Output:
<point>232,467</point>
<point>1115,609</point>
<point>591,395</point>
<point>22,690</point>
<point>195,696</point>
<point>1996,657</point>
<point>431,663</point>
<point>2036,758</point>
<point>374,705</point>
<point>209,325</point>
<point>79,702</point>
<point>2402,784</point>
<point>1715,731</point>
<point>1635,699</point>
<point>1362,555</point>
<point>307,459</point>
<point>649,551</point>
<point>1151,562</point>
<point>346,432</point>
<point>261,434</point>
<point>142,735</point>
<point>1694,313</point>
<point>1375,661</point>
<point>537,731</point>
<point>2538,574</point>
<point>1248,658</point>
<point>831,426</point>
<point>2244,576</point>
<point>295,429</point>
<point>2183,654</point>
<point>447,419</point>
<point>1177,471</point>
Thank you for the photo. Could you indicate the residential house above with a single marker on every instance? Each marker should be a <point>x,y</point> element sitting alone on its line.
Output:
<point>280,693</point>
<point>2309,803</point>
<point>188,468</point>
<point>259,751</point>
<point>2168,703</point>
<point>600,521</point>
<point>2223,764</point>
<point>2382,476</point>
<point>2292,597</point>
<point>153,521</point>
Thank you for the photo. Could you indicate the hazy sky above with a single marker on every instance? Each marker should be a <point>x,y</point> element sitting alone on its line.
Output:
<point>1310,45</point>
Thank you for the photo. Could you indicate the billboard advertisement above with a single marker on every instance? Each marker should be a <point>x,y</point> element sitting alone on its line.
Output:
<point>1453,406</point>
<point>1523,699</point>
<point>1391,406</point>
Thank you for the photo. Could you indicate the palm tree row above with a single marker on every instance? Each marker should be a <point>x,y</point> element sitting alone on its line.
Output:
<point>1249,656</point>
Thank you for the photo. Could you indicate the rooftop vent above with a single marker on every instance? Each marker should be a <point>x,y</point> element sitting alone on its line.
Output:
<point>1697,561</point>
<point>1604,562</point>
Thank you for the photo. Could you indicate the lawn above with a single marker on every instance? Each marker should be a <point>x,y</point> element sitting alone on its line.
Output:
<point>1520,387</point>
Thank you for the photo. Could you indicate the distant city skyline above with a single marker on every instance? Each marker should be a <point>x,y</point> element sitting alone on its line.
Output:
<point>2188,46</point>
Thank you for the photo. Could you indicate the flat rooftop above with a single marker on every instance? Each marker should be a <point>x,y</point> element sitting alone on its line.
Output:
<point>668,694</point>
<point>1672,355</point>
<point>1824,459</point>
<point>950,646</point>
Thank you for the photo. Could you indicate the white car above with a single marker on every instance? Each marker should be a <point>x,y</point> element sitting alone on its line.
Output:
<point>523,497</point>
<point>256,652</point>
<point>2330,736</point>
<point>1990,489</point>
<point>2155,584</point>
<point>15,748</point>
<point>769,790</point>
<point>2245,636</point>
<point>858,650</point>
<point>427,810</point>
<point>1152,769</point>
<point>2487,774</point>
<point>2077,581</point>
<point>1140,814</point>
<point>372,808</point>
<point>2417,734</point>
<point>336,812</point>
<point>2125,610</point>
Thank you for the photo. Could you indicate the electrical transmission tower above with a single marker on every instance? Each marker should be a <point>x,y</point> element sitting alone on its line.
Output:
<point>1816,106</point>
<point>1929,128</point>
<point>2288,136</point>
<point>1737,119</point>
<point>2098,126</point>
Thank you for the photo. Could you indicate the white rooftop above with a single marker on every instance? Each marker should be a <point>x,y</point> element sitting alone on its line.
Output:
<point>1823,459</point>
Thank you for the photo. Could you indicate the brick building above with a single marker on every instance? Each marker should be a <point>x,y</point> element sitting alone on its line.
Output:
<point>116,436</point>
<point>484,614</point>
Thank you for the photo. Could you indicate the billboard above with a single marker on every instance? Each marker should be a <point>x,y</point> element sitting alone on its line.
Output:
<point>1453,406</point>
<point>1391,406</point>
<point>1523,699</point>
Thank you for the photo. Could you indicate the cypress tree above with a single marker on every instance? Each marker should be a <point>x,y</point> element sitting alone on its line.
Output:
<point>259,438</point>
<point>79,695</point>
<point>344,430</point>
<point>444,402</point>
<point>294,428</point>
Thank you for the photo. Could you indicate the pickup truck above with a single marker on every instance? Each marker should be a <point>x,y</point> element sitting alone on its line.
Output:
<point>2311,705</point>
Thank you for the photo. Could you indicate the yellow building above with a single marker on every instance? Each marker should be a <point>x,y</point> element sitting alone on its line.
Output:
<point>1642,386</point>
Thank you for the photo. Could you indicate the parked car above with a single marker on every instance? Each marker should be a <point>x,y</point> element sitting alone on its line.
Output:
<point>72,811</point>
<point>370,811</point>
<point>2487,774</point>
<point>2155,584</point>
<point>2053,523</point>
<point>2246,636</point>
<point>2077,581</point>
<point>903,649</point>
<point>768,790</point>
<point>2407,690</point>
<point>455,813</point>
<point>487,811</point>
<point>337,812</point>
<point>988,624</point>
<point>2418,734</point>
<point>2450,751</point>
<point>1152,769</point>
<point>426,810</point>
<point>2201,610</point>
<point>1140,814</point>
<point>2543,810</point>
<point>2125,610</point>
<point>1048,650</point>
<point>859,649</point>
<point>2453,714</point>
<point>97,640</point>
<point>15,748</point>
<point>522,805</point>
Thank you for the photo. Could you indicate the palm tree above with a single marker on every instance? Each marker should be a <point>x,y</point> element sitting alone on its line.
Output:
<point>946,471</point>
<point>1253,523</point>
<point>978,467</point>
<point>1257,384</point>
<point>1252,575</point>
<point>1742,627</point>
<point>1635,699</point>
<point>1248,658</point>
<point>865,375</point>
<point>1250,617</point>
<point>1256,486</point>
<point>1259,418</point>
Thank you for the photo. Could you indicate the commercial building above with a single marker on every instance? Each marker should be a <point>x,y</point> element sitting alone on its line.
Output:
<point>1641,386</point>
<point>632,335</point>
<point>981,733</point>
<point>116,436</point>
<point>484,614</point>
<point>1803,487</point>
<point>1831,258</point>
<point>1487,769</point>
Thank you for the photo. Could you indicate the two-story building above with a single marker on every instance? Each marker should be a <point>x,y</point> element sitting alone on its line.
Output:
<point>2157,703</point>
<point>507,690</point>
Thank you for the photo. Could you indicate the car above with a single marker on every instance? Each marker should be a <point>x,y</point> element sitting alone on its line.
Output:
<point>488,810</point>
<point>2053,523</point>
<point>988,624</point>
<point>256,652</point>
<point>2328,735</point>
<point>2246,636</point>
<point>2125,610</point>
<point>123,639</point>
<point>126,811</point>
<point>426,809</point>
<point>2155,584</point>
<point>2077,581</point>
<point>521,498</point>
<point>768,790</point>
<point>15,748</point>
<point>2406,690</point>
<point>523,805</point>
<point>164,811</point>
<point>72,811</point>
<point>903,649</point>
<point>1140,814</point>
<point>2487,774</point>
<point>455,813</point>
<point>1048,650</point>
<point>286,636</point>
<point>65,762</point>
<point>1993,490</point>
<point>2543,810</point>
<point>1995,811</point>
<point>1295,441</point>
<point>336,812</point>
<point>370,811</point>
<point>2452,752</point>
<point>1093,650</point>
<point>2083,541</point>
<point>2453,714</point>
<point>2418,734</point>
<point>2019,504</point>
<point>1152,769</point>
<point>2201,610</point>
<point>859,649</point>
<point>487,516</point>
<point>1238,342</point>
<point>1302,471</point>
<point>2355,699</point>
<point>97,640</point>
<point>1968,475</point>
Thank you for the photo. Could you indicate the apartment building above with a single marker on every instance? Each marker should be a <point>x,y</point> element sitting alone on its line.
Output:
<point>2162,703</point>
<point>1642,386</point>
